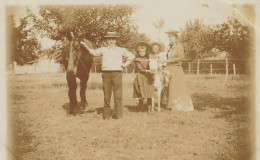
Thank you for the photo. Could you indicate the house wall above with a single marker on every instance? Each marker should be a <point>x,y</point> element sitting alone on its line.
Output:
<point>42,66</point>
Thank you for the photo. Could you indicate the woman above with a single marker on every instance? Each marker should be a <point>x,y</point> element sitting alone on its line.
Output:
<point>179,97</point>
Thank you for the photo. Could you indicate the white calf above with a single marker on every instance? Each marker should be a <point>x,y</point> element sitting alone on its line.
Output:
<point>161,80</point>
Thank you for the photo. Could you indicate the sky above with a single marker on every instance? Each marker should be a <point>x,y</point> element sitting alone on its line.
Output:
<point>175,13</point>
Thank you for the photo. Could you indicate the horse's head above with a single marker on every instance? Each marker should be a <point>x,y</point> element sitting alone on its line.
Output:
<point>166,76</point>
<point>78,57</point>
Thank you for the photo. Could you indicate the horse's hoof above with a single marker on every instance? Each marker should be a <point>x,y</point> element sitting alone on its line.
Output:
<point>169,109</point>
<point>84,104</point>
<point>82,109</point>
<point>106,118</point>
<point>149,109</point>
<point>72,113</point>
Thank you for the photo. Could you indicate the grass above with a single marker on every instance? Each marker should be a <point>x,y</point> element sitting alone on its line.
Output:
<point>219,128</point>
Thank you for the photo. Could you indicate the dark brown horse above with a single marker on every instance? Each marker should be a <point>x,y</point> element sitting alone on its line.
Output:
<point>77,62</point>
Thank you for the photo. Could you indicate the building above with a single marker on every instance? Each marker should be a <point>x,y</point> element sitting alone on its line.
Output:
<point>42,65</point>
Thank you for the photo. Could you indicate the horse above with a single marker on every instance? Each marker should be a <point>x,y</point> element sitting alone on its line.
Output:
<point>77,62</point>
<point>161,80</point>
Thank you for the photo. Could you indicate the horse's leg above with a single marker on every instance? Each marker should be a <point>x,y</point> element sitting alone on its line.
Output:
<point>159,91</point>
<point>149,102</point>
<point>152,99</point>
<point>71,79</point>
<point>83,87</point>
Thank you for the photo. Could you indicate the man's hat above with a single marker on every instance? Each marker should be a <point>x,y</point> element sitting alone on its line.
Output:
<point>172,32</point>
<point>111,35</point>
<point>159,43</point>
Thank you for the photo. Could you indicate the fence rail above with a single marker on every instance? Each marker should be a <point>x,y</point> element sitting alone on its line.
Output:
<point>223,66</point>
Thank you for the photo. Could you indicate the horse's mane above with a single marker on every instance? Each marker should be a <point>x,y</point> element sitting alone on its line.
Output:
<point>79,52</point>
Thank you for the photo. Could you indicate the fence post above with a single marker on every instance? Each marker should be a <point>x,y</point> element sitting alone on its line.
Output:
<point>95,69</point>
<point>35,71</point>
<point>49,67</point>
<point>126,70</point>
<point>198,67</point>
<point>15,66</point>
<point>134,69</point>
<point>234,68</point>
<point>210,68</point>
<point>226,68</point>
<point>189,67</point>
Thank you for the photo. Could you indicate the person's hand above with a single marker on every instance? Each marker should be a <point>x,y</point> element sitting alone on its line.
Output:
<point>84,44</point>
<point>124,65</point>
<point>148,71</point>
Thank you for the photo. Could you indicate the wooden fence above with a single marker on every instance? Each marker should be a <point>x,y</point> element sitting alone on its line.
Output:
<point>227,66</point>
<point>224,66</point>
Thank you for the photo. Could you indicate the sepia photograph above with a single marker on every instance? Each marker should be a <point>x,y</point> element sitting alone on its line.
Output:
<point>133,80</point>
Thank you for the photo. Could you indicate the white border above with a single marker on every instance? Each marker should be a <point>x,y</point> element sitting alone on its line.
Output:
<point>4,3</point>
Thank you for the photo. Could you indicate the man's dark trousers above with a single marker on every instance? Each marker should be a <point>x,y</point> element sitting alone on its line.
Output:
<point>112,81</point>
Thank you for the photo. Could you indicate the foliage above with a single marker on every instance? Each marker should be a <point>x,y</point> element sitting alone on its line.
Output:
<point>234,37</point>
<point>158,24</point>
<point>92,22</point>
<point>196,39</point>
<point>23,44</point>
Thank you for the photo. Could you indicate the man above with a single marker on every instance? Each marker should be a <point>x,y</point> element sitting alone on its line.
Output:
<point>112,63</point>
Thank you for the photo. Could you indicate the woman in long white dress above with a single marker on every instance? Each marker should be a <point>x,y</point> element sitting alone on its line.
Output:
<point>179,96</point>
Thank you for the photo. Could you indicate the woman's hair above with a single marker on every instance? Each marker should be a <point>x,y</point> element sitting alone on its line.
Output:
<point>141,47</point>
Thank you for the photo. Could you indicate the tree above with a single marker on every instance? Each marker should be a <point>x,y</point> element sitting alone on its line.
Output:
<point>23,44</point>
<point>11,39</point>
<point>91,22</point>
<point>159,25</point>
<point>197,39</point>
<point>234,37</point>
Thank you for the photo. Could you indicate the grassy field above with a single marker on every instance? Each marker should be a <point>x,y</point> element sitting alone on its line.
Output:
<point>219,128</point>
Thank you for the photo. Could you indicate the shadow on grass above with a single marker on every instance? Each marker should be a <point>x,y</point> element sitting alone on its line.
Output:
<point>135,108</point>
<point>236,111</point>
<point>238,105</point>
<point>66,107</point>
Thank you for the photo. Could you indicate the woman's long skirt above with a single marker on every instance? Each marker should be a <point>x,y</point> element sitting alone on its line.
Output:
<point>179,97</point>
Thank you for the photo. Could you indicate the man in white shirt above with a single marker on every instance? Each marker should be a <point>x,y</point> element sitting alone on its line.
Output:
<point>112,66</point>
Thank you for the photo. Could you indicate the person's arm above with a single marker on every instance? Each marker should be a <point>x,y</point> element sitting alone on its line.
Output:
<point>94,52</point>
<point>180,56</point>
<point>130,57</point>
<point>141,69</point>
